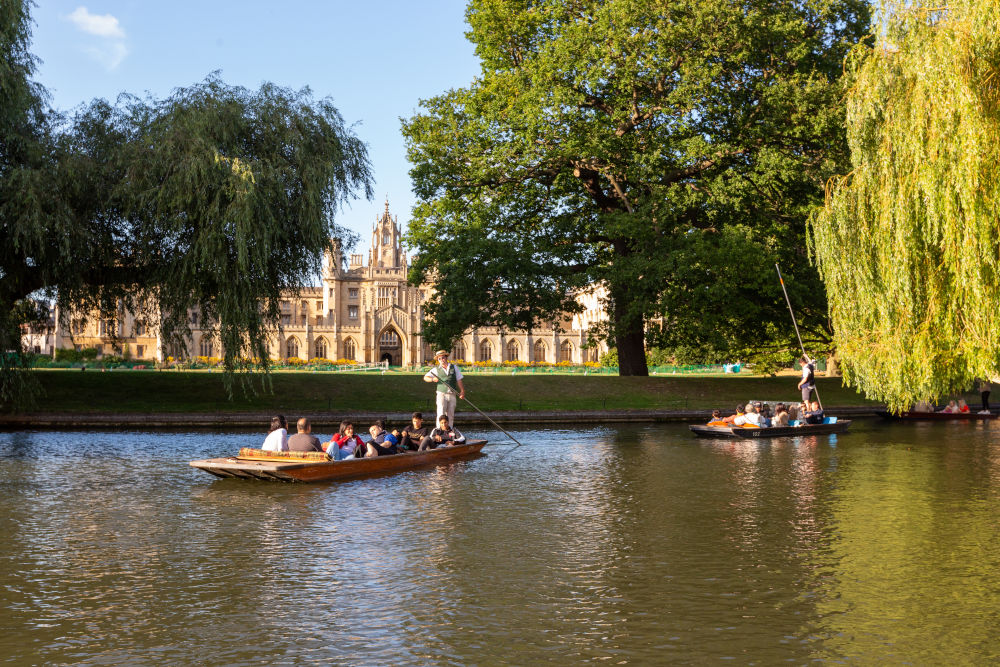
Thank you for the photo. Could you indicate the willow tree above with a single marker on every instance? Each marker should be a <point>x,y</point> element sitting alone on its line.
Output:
<point>909,241</point>
<point>215,199</point>
<point>623,142</point>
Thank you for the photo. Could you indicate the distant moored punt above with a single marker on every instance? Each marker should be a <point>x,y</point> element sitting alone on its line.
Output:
<point>289,467</point>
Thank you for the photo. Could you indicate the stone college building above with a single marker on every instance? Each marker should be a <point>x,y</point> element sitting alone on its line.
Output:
<point>366,312</point>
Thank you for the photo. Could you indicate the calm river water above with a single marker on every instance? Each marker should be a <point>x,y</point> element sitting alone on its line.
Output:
<point>637,544</point>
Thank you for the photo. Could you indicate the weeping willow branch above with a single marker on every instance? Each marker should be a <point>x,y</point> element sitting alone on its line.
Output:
<point>908,243</point>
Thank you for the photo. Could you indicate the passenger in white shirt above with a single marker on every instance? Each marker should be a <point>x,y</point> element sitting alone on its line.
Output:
<point>277,438</point>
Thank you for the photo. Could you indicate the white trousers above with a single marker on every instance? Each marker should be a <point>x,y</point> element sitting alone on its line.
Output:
<point>446,402</point>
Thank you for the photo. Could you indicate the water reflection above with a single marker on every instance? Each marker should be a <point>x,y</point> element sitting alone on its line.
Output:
<point>636,544</point>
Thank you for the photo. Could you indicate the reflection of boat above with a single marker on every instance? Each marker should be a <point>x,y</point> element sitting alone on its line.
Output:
<point>253,464</point>
<point>913,415</point>
<point>832,425</point>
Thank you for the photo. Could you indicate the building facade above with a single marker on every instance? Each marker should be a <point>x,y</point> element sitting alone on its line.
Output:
<point>363,310</point>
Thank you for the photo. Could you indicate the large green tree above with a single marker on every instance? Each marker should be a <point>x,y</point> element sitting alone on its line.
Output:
<point>909,242</point>
<point>669,150</point>
<point>215,199</point>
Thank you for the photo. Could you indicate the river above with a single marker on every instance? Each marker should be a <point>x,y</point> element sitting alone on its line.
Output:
<point>633,544</point>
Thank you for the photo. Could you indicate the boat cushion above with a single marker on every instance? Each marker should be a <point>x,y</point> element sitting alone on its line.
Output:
<point>262,455</point>
<point>794,422</point>
<point>829,420</point>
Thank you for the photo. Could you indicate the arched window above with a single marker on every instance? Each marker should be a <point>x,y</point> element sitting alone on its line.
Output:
<point>205,348</point>
<point>540,350</point>
<point>513,348</point>
<point>321,348</point>
<point>292,348</point>
<point>566,351</point>
<point>486,351</point>
<point>458,352</point>
<point>350,349</point>
<point>389,338</point>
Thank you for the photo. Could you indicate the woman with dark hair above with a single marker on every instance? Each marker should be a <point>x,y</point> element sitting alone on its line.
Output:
<point>345,443</point>
<point>277,436</point>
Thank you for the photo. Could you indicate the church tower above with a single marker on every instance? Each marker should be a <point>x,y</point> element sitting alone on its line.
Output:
<point>386,249</point>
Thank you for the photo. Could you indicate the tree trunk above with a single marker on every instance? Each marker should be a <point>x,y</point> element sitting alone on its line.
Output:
<point>630,338</point>
<point>832,366</point>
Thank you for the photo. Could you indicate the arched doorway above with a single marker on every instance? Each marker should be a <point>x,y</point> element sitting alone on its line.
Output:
<point>390,347</point>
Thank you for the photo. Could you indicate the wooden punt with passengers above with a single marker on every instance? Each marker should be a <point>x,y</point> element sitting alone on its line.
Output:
<point>915,415</point>
<point>829,425</point>
<point>301,467</point>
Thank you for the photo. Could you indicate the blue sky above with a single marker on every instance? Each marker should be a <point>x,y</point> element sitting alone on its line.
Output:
<point>375,60</point>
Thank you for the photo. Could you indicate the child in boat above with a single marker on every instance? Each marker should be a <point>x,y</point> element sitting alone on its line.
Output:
<point>951,407</point>
<point>716,419</point>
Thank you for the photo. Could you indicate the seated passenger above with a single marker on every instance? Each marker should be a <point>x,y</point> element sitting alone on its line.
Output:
<point>716,419</point>
<point>765,416</point>
<point>277,436</point>
<point>752,417</point>
<point>346,445</point>
<point>413,434</point>
<point>815,414</point>
<point>962,405</point>
<point>381,440</point>
<point>442,436</point>
<point>731,419</point>
<point>951,407</point>
<point>304,440</point>
<point>780,415</point>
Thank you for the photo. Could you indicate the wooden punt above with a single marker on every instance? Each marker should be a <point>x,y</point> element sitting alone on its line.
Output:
<point>321,471</point>
<point>704,431</point>
<point>913,415</point>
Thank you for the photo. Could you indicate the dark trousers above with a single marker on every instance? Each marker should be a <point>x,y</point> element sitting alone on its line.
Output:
<point>986,399</point>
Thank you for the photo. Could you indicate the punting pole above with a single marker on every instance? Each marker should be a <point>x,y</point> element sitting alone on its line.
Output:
<point>519,443</point>
<point>795,324</point>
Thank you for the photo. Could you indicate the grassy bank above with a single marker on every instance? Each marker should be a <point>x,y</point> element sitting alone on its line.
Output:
<point>304,393</point>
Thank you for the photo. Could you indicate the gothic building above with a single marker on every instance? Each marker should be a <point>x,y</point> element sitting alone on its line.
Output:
<point>364,311</point>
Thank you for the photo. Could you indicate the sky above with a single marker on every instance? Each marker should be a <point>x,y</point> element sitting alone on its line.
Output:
<point>375,60</point>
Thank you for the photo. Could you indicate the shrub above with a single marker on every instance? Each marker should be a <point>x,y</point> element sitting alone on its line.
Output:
<point>610,358</point>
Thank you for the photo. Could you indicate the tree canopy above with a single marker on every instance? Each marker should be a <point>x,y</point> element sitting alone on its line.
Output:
<point>216,198</point>
<point>909,241</point>
<point>669,150</point>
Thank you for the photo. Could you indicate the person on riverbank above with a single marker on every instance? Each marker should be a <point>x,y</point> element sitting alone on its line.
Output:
<point>450,388</point>
<point>442,436</point>
<point>984,393</point>
<point>413,434</point>
<point>304,440</point>
<point>277,436</point>
<point>808,381</point>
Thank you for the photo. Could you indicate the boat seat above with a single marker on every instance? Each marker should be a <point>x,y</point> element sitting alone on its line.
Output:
<point>829,420</point>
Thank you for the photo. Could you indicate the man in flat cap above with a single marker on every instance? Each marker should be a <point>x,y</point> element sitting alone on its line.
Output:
<point>449,385</point>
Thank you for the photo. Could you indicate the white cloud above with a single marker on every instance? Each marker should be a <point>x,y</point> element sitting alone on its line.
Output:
<point>109,46</point>
<point>104,25</point>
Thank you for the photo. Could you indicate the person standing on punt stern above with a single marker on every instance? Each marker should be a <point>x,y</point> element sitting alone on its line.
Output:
<point>449,378</point>
<point>808,381</point>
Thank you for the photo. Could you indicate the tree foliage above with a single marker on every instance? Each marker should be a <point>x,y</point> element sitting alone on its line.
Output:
<point>214,199</point>
<point>909,241</point>
<point>670,150</point>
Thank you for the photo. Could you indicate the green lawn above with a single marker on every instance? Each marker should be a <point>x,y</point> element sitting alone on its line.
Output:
<point>303,392</point>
